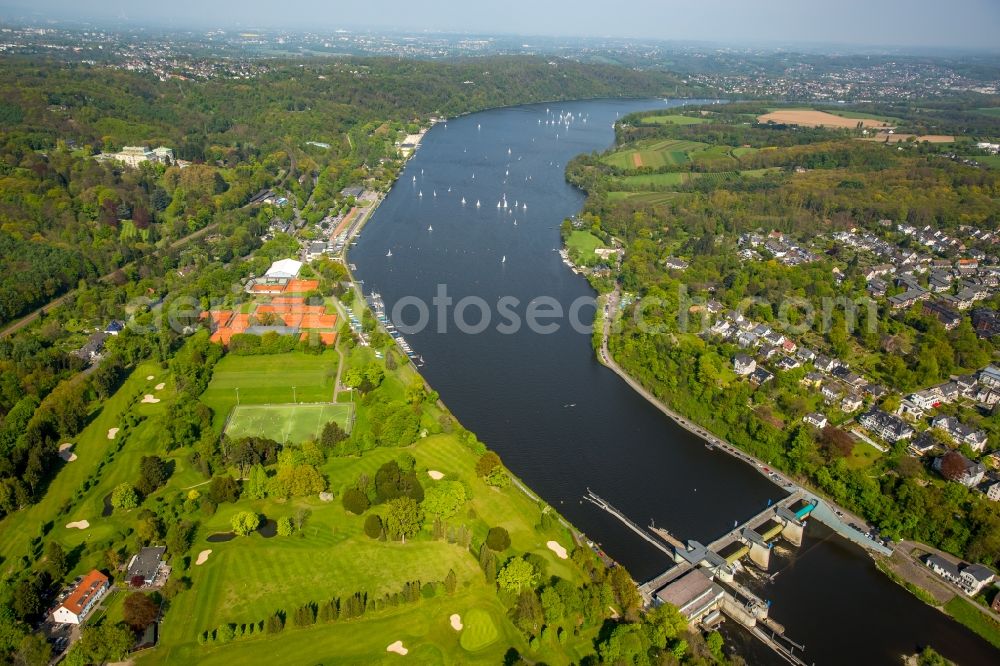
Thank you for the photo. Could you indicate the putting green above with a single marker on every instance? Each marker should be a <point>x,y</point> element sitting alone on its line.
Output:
<point>480,631</point>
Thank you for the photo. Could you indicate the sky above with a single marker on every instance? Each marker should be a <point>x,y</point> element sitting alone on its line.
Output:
<point>973,24</point>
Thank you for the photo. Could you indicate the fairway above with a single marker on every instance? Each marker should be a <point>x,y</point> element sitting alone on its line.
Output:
<point>290,422</point>
<point>673,120</point>
<point>670,152</point>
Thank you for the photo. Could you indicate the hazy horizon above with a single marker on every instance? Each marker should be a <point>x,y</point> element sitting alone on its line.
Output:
<point>967,24</point>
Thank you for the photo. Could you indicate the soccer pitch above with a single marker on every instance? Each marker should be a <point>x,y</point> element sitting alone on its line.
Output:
<point>286,423</point>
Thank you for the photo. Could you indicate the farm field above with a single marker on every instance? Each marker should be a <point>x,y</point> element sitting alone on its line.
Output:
<point>814,118</point>
<point>900,138</point>
<point>860,115</point>
<point>294,423</point>
<point>649,198</point>
<point>268,379</point>
<point>990,111</point>
<point>674,120</point>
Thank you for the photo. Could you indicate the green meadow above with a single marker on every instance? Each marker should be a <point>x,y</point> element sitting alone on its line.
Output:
<point>291,422</point>
<point>673,120</point>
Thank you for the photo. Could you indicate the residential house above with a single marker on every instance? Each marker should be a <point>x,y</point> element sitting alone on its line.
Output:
<point>942,567</point>
<point>850,403</point>
<point>825,363</point>
<point>986,322</point>
<point>82,599</point>
<point>956,467</point>
<point>876,391</point>
<point>743,364</point>
<point>908,298</point>
<point>787,363</point>
<point>993,491</point>
<point>990,376</point>
<point>676,263</point>
<point>829,392</point>
<point>815,419</point>
<point>93,348</point>
<point>805,354</point>
<point>812,380</point>
<point>889,427</point>
<point>923,444</point>
<point>987,396</point>
<point>760,376</point>
<point>114,327</point>
<point>767,351</point>
<point>909,408</point>
<point>927,398</point>
<point>945,315</point>
<point>961,433</point>
<point>974,577</point>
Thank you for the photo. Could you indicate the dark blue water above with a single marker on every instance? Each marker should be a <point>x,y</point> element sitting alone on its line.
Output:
<point>559,419</point>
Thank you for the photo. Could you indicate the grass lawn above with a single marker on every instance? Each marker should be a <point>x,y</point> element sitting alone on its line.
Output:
<point>66,489</point>
<point>478,631</point>
<point>673,120</point>
<point>962,610</point>
<point>582,244</point>
<point>648,198</point>
<point>992,161</point>
<point>863,455</point>
<point>670,152</point>
<point>292,422</point>
<point>268,379</point>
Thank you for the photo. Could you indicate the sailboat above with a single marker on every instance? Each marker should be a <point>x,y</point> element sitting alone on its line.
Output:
<point>463,201</point>
<point>389,253</point>
<point>508,151</point>
<point>477,203</point>
<point>479,126</point>
<point>498,204</point>
<point>524,207</point>
<point>449,190</point>
<point>504,260</point>
<point>414,179</point>
<point>435,192</point>
<point>430,228</point>
<point>515,223</point>
<point>420,194</point>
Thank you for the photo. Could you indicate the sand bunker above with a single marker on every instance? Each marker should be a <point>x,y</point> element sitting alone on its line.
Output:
<point>112,432</point>
<point>456,622</point>
<point>65,453</point>
<point>203,557</point>
<point>397,647</point>
<point>150,378</point>
<point>78,525</point>
<point>150,398</point>
<point>557,549</point>
<point>159,387</point>
<point>434,474</point>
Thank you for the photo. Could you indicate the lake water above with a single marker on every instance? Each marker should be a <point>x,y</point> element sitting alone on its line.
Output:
<point>559,419</point>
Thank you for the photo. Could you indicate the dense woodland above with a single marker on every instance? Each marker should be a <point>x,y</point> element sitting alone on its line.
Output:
<point>822,181</point>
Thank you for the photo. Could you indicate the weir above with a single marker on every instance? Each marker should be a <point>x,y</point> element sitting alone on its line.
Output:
<point>701,582</point>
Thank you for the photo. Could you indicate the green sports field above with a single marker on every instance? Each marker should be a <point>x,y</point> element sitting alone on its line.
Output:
<point>289,422</point>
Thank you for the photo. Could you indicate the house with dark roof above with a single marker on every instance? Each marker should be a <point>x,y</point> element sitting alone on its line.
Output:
<point>956,467</point>
<point>889,427</point>
<point>942,567</point>
<point>974,577</point>
<point>961,433</point>
<point>145,565</point>
<point>743,364</point>
<point>760,376</point>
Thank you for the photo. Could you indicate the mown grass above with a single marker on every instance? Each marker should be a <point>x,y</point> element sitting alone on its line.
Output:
<point>268,379</point>
<point>293,423</point>
<point>673,120</point>
<point>964,613</point>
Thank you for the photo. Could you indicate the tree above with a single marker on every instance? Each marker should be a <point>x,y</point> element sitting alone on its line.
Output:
<point>487,463</point>
<point>223,489</point>
<point>953,465</point>
<point>403,518</point>
<point>285,527</point>
<point>498,539</point>
<point>55,560</point>
<point>552,605</point>
<point>153,473</point>
<point>516,575</point>
<point>245,522</point>
<point>275,624</point>
<point>33,650</point>
<point>355,501</point>
<point>444,499</point>
<point>124,497</point>
<point>450,582</point>
<point>139,611</point>
<point>332,435</point>
<point>256,484</point>
<point>373,526</point>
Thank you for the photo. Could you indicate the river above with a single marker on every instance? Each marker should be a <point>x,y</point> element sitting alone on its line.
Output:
<point>563,422</point>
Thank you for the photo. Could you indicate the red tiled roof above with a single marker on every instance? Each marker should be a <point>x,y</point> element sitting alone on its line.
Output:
<point>83,593</point>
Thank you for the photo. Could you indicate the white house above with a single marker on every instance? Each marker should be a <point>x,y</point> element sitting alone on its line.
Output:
<point>743,364</point>
<point>816,420</point>
<point>82,599</point>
